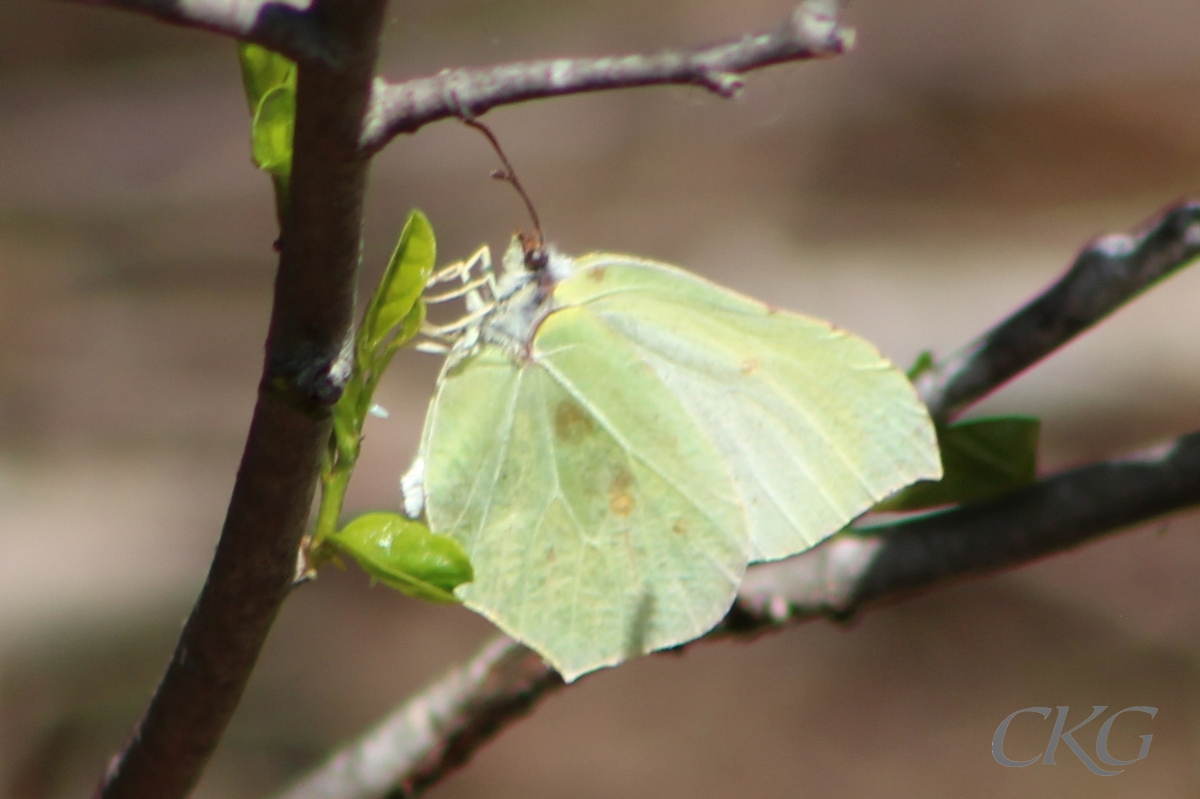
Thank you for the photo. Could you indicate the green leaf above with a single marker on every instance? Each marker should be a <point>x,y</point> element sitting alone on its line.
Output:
<point>924,363</point>
<point>378,362</point>
<point>403,554</point>
<point>402,284</point>
<point>270,83</point>
<point>981,458</point>
<point>409,327</point>
<point>274,124</point>
<point>262,71</point>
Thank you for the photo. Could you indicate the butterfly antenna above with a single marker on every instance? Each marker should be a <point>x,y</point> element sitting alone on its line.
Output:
<point>535,251</point>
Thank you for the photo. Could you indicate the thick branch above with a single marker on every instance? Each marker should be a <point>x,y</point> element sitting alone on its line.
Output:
<point>440,728</point>
<point>811,31</point>
<point>1105,276</point>
<point>305,369</point>
<point>286,26</point>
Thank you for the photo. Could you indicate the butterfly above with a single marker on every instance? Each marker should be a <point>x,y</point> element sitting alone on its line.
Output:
<point>613,440</point>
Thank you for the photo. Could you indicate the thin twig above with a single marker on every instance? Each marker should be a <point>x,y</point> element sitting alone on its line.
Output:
<point>812,30</point>
<point>1106,275</point>
<point>286,26</point>
<point>305,370</point>
<point>441,727</point>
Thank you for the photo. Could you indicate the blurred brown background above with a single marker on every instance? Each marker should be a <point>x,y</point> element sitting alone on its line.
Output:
<point>913,191</point>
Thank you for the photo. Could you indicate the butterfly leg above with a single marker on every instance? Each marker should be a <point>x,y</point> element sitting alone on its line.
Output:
<point>450,330</point>
<point>461,334</point>
<point>480,261</point>
<point>461,291</point>
<point>459,270</point>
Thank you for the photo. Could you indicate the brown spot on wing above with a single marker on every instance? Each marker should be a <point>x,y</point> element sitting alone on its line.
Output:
<point>680,527</point>
<point>749,366</point>
<point>571,422</point>
<point>597,273</point>
<point>620,496</point>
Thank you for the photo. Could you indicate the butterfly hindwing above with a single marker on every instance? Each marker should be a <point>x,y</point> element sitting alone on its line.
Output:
<point>601,522</point>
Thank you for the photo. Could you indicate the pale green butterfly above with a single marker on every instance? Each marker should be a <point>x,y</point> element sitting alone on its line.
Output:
<point>613,440</point>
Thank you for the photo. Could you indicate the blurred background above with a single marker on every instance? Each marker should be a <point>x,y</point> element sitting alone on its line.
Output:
<point>913,191</point>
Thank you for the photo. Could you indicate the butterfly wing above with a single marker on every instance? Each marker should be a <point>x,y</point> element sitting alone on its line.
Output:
<point>602,523</point>
<point>814,424</point>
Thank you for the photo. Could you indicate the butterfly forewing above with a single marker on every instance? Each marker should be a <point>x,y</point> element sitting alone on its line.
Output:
<point>813,423</point>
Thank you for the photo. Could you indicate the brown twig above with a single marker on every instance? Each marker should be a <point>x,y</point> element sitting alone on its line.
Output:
<point>1106,275</point>
<point>280,25</point>
<point>306,367</point>
<point>812,30</point>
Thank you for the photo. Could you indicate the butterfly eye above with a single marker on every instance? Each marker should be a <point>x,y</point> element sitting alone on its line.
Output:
<point>535,251</point>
